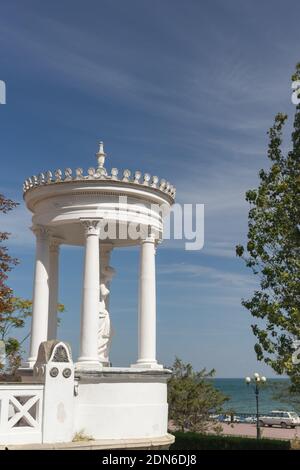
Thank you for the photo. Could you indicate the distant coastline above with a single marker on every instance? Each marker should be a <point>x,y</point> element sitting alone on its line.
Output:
<point>242,397</point>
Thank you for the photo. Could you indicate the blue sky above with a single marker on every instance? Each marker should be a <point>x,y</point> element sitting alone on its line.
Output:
<point>185,90</point>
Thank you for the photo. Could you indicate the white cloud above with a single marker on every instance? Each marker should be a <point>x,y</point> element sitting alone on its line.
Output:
<point>209,276</point>
<point>18,223</point>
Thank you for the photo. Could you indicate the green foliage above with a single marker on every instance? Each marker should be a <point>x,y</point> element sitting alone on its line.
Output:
<point>283,393</point>
<point>192,398</point>
<point>6,294</point>
<point>194,441</point>
<point>13,310</point>
<point>273,252</point>
<point>15,318</point>
<point>6,261</point>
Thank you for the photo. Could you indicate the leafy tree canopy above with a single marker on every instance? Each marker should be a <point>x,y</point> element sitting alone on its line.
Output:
<point>13,310</point>
<point>6,261</point>
<point>273,251</point>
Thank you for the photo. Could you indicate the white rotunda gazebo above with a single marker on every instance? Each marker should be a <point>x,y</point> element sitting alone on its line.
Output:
<point>101,211</point>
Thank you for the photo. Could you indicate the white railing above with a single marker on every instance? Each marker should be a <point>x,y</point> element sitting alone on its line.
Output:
<point>21,413</point>
<point>67,176</point>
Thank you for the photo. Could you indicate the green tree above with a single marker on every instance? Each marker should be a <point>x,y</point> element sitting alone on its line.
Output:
<point>192,398</point>
<point>283,393</point>
<point>14,319</point>
<point>6,261</point>
<point>6,264</point>
<point>13,310</point>
<point>273,250</point>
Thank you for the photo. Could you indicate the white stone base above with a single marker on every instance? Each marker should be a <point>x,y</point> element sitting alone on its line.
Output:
<point>28,364</point>
<point>113,405</point>
<point>147,365</point>
<point>88,366</point>
<point>160,443</point>
<point>122,404</point>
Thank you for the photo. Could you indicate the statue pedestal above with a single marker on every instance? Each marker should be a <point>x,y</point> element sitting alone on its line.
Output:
<point>121,403</point>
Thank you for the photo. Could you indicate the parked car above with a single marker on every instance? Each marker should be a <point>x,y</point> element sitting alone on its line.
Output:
<point>284,419</point>
<point>250,419</point>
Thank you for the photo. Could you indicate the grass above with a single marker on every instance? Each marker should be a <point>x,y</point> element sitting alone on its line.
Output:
<point>195,441</point>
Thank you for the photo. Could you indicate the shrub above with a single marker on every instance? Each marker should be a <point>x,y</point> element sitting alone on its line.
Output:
<point>192,398</point>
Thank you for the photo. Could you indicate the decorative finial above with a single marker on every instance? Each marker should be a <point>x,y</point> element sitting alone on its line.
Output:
<point>101,155</point>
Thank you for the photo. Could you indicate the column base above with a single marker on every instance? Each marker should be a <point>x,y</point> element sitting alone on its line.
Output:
<point>29,363</point>
<point>88,365</point>
<point>146,365</point>
<point>105,364</point>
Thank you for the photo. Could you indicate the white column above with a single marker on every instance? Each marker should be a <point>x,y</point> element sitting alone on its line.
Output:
<point>90,298</point>
<point>53,287</point>
<point>147,307</point>
<point>40,302</point>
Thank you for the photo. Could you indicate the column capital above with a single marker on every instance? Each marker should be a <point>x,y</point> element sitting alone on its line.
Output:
<point>91,226</point>
<point>149,239</point>
<point>54,243</point>
<point>150,235</point>
<point>41,232</point>
<point>158,242</point>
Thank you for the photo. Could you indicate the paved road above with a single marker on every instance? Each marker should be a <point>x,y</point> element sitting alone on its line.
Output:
<point>241,429</point>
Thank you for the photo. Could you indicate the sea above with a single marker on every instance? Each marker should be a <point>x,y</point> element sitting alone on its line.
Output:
<point>242,396</point>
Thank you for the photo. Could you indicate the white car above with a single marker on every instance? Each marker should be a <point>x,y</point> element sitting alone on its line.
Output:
<point>284,419</point>
<point>250,419</point>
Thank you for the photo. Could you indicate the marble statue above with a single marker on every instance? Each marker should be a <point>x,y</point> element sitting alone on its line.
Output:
<point>105,331</point>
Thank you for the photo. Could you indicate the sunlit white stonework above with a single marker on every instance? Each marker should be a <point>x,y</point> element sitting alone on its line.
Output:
<point>98,174</point>
<point>107,402</point>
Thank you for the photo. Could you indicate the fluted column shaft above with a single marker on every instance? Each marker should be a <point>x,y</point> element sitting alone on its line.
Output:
<point>40,302</point>
<point>147,306</point>
<point>90,298</point>
<point>53,288</point>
